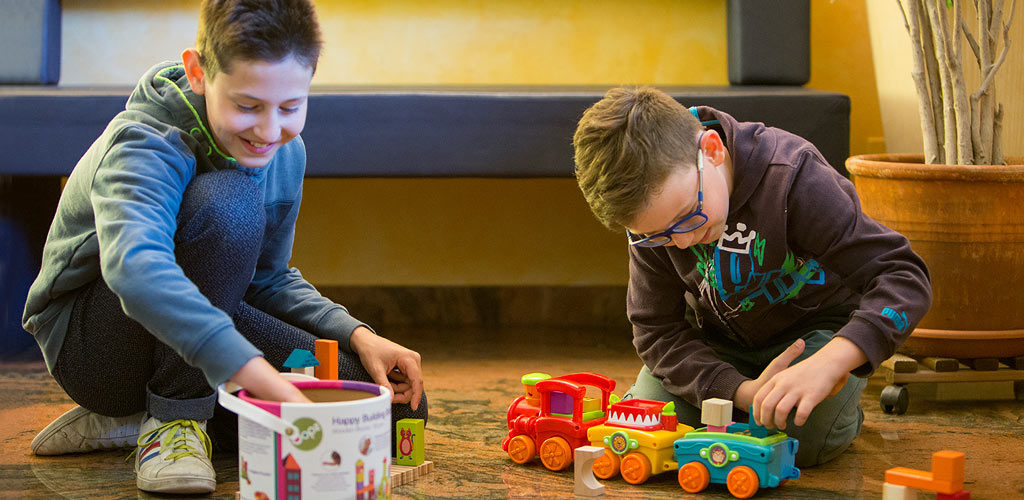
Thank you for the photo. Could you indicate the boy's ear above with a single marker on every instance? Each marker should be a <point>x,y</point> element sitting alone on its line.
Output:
<point>712,147</point>
<point>194,70</point>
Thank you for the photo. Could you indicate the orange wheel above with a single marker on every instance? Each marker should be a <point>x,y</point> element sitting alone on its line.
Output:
<point>694,477</point>
<point>555,453</point>
<point>607,466</point>
<point>742,482</point>
<point>521,449</point>
<point>636,468</point>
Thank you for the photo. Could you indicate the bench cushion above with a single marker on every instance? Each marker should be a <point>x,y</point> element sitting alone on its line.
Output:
<point>439,132</point>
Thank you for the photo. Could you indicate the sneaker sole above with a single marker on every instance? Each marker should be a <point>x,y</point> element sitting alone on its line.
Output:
<point>177,485</point>
<point>38,443</point>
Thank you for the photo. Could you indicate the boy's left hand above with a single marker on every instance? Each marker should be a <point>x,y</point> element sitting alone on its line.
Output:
<point>805,384</point>
<point>390,365</point>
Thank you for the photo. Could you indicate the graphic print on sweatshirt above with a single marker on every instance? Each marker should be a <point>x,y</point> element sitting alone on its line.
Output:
<point>736,278</point>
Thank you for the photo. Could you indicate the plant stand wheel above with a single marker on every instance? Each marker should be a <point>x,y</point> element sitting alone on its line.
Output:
<point>895,399</point>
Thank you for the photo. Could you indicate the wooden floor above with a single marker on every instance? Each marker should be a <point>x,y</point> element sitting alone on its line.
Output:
<point>472,375</point>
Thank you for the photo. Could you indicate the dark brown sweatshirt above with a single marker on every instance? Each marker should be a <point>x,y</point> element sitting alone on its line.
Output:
<point>797,255</point>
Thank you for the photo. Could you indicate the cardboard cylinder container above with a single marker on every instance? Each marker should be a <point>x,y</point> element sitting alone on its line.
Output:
<point>338,447</point>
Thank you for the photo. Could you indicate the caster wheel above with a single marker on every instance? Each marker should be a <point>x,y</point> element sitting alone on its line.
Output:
<point>895,399</point>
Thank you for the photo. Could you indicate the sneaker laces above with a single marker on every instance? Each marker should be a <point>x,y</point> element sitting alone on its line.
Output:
<point>178,443</point>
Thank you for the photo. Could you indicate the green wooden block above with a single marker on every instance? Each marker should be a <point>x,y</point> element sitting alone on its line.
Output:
<point>409,441</point>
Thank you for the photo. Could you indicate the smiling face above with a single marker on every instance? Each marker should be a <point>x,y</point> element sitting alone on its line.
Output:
<point>254,108</point>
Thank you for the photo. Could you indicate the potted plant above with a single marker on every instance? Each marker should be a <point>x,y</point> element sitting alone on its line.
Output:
<point>961,203</point>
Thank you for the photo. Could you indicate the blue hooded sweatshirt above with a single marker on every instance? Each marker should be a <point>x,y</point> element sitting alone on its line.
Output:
<point>117,218</point>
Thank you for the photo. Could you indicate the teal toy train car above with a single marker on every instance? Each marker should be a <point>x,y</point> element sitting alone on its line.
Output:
<point>746,457</point>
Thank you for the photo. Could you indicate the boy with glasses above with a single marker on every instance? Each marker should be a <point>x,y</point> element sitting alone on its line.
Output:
<point>753,274</point>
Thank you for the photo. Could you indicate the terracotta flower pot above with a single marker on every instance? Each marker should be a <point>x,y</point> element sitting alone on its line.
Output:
<point>967,223</point>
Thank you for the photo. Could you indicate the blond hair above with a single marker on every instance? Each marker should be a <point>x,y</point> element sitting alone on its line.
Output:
<point>626,145</point>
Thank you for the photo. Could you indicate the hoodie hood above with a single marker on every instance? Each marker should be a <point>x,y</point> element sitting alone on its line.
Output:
<point>751,145</point>
<point>164,100</point>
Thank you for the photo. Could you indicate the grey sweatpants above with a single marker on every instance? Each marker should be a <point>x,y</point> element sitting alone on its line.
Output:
<point>829,430</point>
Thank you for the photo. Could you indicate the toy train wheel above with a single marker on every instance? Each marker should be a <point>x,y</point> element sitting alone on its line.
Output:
<point>635,468</point>
<point>895,399</point>
<point>521,449</point>
<point>694,477</point>
<point>607,466</point>
<point>555,453</point>
<point>742,482</point>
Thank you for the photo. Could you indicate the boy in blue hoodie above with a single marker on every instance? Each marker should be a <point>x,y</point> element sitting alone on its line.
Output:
<point>165,272</point>
<point>753,274</point>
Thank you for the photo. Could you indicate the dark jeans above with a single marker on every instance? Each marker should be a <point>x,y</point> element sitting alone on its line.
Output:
<point>829,429</point>
<point>112,365</point>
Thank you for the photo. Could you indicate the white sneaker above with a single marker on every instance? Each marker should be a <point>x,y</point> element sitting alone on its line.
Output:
<point>79,430</point>
<point>174,457</point>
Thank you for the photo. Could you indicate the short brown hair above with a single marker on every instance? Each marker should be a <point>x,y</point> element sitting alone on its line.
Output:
<point>626,146</point>
<point>256,30</point>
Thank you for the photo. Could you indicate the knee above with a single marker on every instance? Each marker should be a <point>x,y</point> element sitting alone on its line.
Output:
<point>222,207</point>
<point>826,435</point>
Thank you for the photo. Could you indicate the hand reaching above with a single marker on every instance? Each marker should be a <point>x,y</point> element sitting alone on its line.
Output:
<point>783,388</point>
<point>390,365</point>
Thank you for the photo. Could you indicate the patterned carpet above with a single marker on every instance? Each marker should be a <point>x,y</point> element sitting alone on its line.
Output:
<point>472,375</point>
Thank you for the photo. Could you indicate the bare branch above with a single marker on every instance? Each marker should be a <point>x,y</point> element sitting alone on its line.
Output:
<point>964,148</point>
<point>986,100</point>
<point>997,137</point>
<point>920,17</point>
<point>924,108</point>
<point>940,36</point>
<point>991,73</point>
<point>966,30</point>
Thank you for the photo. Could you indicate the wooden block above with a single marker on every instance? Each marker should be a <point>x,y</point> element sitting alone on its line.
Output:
<point>404,474</point>
<point>716,412</point>
<point>585,482</point>
<point>1016,363</point>
<point>925,375</point>
<point>305,370</point>
<point>974,391</point>
<point>948,466</point>
<point>941,364</point>
<point>946,476</point>
<point>900,363</point>
<point>960,495</point>
<point>898,492</point>
<point>326,352</point>
<point>409,441</point>
<point>982,364</point>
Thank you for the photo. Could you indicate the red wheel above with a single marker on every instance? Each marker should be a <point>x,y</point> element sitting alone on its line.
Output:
<point>694,477</point>
<point>521,449</point>
<point>742,482</point>
<point>555,453</point>
<point>607,466</point>
<point>635,468</point>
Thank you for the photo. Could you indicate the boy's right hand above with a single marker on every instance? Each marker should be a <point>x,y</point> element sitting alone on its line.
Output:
<point>748,388</point>
<point>260,379</point>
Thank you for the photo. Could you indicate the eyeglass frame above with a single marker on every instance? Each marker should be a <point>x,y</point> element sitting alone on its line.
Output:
<point>649,241</point>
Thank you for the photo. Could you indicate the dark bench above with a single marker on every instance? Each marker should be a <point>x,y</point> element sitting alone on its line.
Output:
<point>439,132</point>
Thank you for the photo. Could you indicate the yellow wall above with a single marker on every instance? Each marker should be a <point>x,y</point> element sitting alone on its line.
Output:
<point>477,231</point>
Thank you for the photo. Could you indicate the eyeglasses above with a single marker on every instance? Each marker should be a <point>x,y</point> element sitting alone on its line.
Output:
<point>686,224</point>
